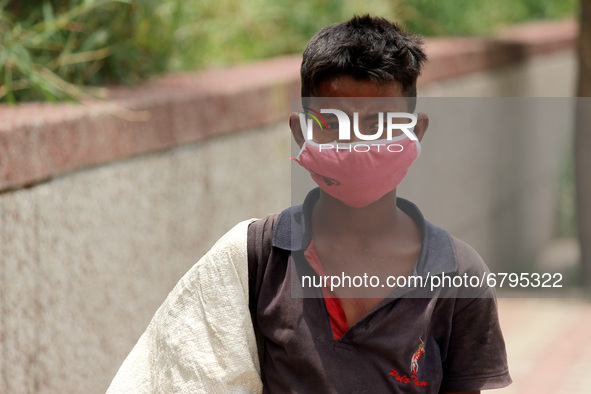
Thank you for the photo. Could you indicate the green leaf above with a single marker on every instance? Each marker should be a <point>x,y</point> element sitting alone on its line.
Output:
<point>47,12</point>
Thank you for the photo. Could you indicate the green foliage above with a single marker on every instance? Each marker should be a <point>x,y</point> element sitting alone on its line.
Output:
<point>63,49</point>
<point>54,50</point>
<point>222,32</point>
<point>476,17</point>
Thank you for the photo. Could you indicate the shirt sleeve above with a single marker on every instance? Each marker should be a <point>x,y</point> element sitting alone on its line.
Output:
<point>476,356</point>
<point>201,340</point>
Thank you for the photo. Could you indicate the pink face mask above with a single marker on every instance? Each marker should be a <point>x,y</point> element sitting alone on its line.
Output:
<point>359,174</point>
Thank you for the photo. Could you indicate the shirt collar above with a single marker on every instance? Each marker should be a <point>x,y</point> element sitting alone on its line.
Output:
<point>293,232</point>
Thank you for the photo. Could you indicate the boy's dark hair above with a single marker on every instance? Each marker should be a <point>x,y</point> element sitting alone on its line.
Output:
<point>364,47</point>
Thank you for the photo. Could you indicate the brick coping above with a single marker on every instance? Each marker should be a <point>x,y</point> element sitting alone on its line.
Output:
<point>39,141</point>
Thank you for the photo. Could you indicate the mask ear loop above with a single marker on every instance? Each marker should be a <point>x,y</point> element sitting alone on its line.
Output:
<point>412,130</point>
<point>302,149</point>
<point>419,149</point>
<point>304,135</point>
<point>310,141</point>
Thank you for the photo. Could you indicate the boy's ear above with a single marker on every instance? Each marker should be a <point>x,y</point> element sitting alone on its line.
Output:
<point>296,128</point>
<point>421,126</point>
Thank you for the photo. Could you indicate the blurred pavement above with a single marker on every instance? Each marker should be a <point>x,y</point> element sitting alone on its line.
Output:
<point>548,345</point>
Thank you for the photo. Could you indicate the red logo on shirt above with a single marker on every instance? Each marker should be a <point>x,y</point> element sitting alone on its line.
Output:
<point>414,380</point>
<point>414,369</point>
<point>414,362</point>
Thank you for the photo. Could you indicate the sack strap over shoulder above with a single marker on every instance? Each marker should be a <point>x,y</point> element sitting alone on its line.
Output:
<point>259,245</point>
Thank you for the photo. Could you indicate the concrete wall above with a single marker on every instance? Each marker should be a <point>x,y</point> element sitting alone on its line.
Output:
<point>87,258</point>
<point>92,240</point>
<point>496,188</point>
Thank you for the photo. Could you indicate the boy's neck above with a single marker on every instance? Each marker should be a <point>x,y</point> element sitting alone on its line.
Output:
<point>331,216</point>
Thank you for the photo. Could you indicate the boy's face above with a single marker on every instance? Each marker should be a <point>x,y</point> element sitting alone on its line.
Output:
<point>342,89</point>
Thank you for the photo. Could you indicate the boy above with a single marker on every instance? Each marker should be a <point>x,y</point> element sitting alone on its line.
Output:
<point>322,339</point>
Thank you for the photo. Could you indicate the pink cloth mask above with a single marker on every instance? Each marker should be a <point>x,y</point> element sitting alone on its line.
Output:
<point>359,174</point>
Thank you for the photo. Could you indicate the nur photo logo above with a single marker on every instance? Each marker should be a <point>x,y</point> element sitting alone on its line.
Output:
<point>391,124</point>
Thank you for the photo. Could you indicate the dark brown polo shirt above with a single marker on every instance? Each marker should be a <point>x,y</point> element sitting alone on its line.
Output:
<point>403,345</point>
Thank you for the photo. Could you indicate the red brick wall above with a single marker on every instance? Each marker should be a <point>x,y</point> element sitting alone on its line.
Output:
<point>41,141</point>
